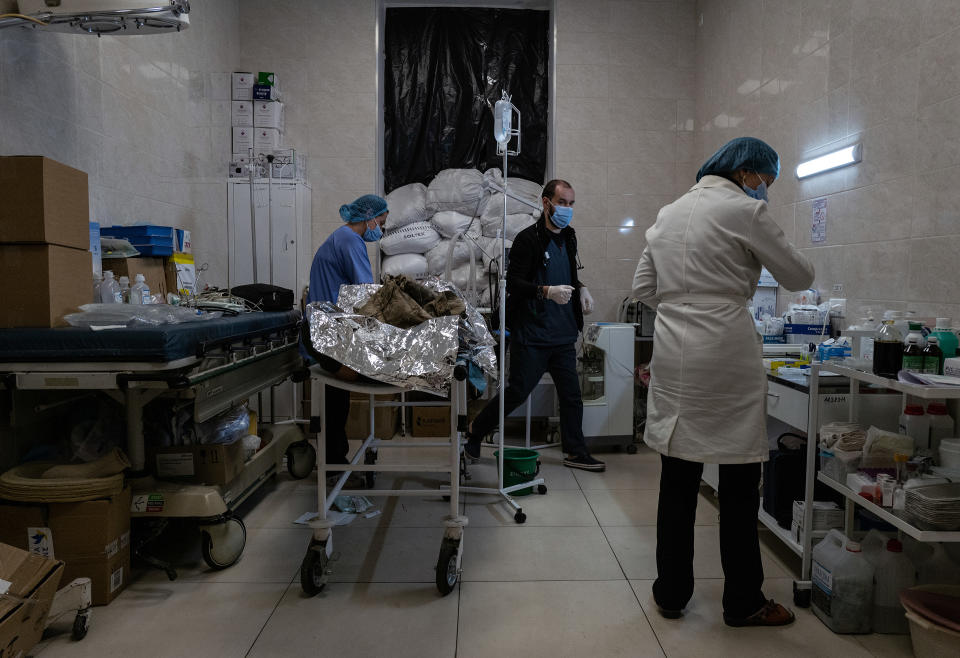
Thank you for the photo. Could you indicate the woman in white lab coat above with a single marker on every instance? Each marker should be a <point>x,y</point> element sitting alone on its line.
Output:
<point>707,397</point>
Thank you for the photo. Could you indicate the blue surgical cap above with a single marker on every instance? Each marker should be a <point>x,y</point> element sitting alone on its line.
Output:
<point>747,153</point>
<point>365,208</point>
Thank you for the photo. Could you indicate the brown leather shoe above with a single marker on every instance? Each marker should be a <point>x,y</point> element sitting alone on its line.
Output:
<point>771,614</point>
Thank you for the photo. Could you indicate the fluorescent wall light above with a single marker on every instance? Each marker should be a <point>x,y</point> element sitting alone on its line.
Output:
<point>842,158</point>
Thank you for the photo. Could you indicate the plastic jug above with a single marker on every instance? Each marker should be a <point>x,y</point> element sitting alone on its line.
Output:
<point>946,337</point>
<point>894,572</point>
<point>140,291</point>
<point>842,585</point>
<point>937,568</point>
<point>915,424</point>
<point>873,546</point>
<point>110,289</point>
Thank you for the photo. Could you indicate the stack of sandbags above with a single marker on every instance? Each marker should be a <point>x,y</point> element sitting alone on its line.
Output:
<point>450,227</point>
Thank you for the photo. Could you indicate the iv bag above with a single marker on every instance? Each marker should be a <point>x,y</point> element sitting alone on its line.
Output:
<point>502,120</point>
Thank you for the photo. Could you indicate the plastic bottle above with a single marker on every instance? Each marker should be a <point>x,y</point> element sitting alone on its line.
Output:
<point>110,289</point>
<point>941,425</point>
<point>915,424</point>
<point>873,545</point>
<point>912,352</point>
<point>842,585</point>
<point>887,350</point>
<point>125,289</point>
<point>947,338</point>
<point>894,572</point>
<point>97,280</point>
<point>139,291</point>
<point>933,356</point>
<point>938,568</point>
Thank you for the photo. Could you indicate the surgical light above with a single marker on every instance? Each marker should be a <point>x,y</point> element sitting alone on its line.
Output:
<point>841,158</point>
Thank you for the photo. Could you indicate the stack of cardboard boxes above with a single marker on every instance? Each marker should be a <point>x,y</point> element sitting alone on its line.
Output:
<point>91,538</point>
<point>45,263</point>
<point>27,584</point>
<point>257,119</point>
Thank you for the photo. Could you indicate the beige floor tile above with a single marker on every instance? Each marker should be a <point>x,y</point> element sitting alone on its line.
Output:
<point>553,619</point>
<point>559,507</point>
<point>636,549</point>
<point>623,472</point>
<point>391,555</point>
<point>276,504</point>
<point>637,507</point>
<point>361,620</point>
<point>701,630</point>
<point>530,553</point>
<point>888,646</point>
<point>554,473</point>
<point>271,555</point>
<point>172,619</point>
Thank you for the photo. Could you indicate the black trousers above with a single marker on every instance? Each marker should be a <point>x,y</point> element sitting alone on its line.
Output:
<point>739,543</point>
<point>527,365</point>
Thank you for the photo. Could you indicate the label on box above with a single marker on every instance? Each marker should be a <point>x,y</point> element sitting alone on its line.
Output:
<point>4,586</point>
<point>175,464</point>
<point>147,503</point>
<point>116,580</point>
<point>112,548</point>
<point>125,539</point>
<point>40,542</point>
<point>265,93</point>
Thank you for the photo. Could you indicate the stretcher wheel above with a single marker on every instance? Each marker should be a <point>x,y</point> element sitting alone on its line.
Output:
<point>542,489</point>
<point>301,458</point>
<point>222,543</point>
<point>313,569</point>
<point>80,625</point>
<point>447,572</point>
<point>553,436</point>
<point>519,517</point>
<point>632,449</point>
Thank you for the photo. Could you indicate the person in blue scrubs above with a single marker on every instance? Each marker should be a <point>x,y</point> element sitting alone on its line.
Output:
<point>342,260</point>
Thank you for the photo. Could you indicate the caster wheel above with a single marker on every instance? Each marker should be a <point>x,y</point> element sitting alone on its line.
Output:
<point>542,489</point>
<point>222,543</point>
<point>493,438</point>
<point>801,597</point>
<point>81,624</point>
<point>632,449</point>
<point>447,573</point>
<point>301,458</point>
<point>519,517</point>
<point>313,569</point>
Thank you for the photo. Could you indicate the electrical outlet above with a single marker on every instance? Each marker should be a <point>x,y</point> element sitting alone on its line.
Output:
<point>838,289</point>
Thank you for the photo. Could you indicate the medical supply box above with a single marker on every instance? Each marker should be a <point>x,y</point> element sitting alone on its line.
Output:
<point>91,538</point>
<point>53,281</point>
<point>214,463</point>
<point>27,586</point>
<point>44,202</point>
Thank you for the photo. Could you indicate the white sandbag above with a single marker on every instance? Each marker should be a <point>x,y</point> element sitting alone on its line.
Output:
<point>518,187</point>
<point>407,204</point>
<point>514,224</point>
<point>490,249</point>
<point>460,277</point>
<point>438,256</point>
<point>416,238</point>
<point>413,265</point>
<point>450,222</point>
<point>460,190</point>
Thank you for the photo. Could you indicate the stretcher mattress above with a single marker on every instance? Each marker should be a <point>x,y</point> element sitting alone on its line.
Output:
<point>158,344</point>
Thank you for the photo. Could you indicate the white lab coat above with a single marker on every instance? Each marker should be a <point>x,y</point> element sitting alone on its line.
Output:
<point>707,396</point>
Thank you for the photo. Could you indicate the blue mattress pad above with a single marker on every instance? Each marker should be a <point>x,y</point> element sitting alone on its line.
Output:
<point>163,343</point>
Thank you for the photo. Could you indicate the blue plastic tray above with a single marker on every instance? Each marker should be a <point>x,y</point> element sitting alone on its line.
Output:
<point>154,250</point>
<point>138,231</point>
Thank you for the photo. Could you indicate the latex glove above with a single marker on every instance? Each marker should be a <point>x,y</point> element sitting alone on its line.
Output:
<point>559,294</point>
<point>586,301</point>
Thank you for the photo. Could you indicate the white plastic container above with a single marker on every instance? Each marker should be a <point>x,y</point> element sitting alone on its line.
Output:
<point>938,568</point>
<point>842,585</point>
<point>950,453</point>
<point>930,639</point>
<point>915,424</point>
<point>894,572</point>
<point>125,289</point>
<point>941,424</point>
<point>140,291</point>
<point>110,289</point>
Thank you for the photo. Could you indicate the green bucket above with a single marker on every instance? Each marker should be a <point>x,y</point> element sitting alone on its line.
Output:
<point>519,465</point>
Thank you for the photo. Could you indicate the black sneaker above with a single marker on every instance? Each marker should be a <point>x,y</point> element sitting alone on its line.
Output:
<point>584,462</point>
<point>472,447</point>
<point>667,613</point>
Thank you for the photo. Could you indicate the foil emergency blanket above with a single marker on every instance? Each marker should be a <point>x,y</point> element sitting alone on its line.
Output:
<point>420,358</point>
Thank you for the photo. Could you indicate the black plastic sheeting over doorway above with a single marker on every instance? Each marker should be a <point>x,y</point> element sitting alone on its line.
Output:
<point>445,68</point>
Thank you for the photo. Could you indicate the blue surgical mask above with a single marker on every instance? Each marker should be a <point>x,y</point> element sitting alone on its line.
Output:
<point>561,216</point>
<point>760,193</point>
<point>373,234</point>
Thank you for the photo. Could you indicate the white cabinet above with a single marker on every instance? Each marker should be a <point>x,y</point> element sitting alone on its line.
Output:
<point>283,217</point>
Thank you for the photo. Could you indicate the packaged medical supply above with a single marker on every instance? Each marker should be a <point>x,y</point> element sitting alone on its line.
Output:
<point>125,288</point>
<point>110,289</point>
<point>881,446</point>
<point>932,356</point>
<point>912,351</point>
<point>915,424</point>
<point>140,291</point>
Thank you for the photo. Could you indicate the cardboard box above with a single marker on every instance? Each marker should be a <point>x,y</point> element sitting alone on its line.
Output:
<point>151,267</point>
<point>266,93</point>
<point>108,576</point>
<point>266,138</point>
<point>43,283</point>
<point>268,114</point>
<point>431,421</point>
<point>181,274</point>
<point>386,420</point>
<point>182,241</point>
<point>241,113</point>
<point>243,86</point>
<point>33,581</point>
<point>267,78</point>
<point>242,139</point>
<point>951,366</point>
<point>206,464</point>
<point>44,202</point>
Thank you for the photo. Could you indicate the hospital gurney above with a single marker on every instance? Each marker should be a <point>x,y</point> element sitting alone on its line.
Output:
<point>215,364</point>
<point>314,569</point>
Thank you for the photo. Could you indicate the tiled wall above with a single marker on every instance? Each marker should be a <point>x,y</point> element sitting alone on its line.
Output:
<point>136,113</point>
<point>625,127</point>
<point>814,75</point>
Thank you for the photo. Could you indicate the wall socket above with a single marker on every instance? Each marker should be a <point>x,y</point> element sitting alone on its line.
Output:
<point>838,289</point>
